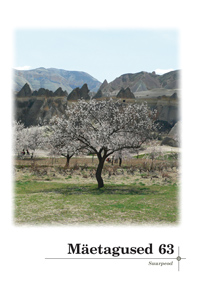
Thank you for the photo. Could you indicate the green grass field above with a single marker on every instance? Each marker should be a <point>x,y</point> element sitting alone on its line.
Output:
<point>47,194</point>
<point>54,203</point>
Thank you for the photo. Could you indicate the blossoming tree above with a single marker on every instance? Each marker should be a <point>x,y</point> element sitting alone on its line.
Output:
<point>20,134</point>
<point>60,142</point>
<point>27,138</point>
<point>106,127</point>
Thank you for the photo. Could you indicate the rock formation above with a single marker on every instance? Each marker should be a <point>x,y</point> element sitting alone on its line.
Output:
<point>60,92</point>
<point>25,91</point>
<point>174,96</point>
<point>173,138</point>
<point>169,142</point>
<point>43,92</point>
<point>39,110</point>
<point>139,87</point>
<point>103,85</point>
<point>125,93</point>
<point>40,106</point>
<point>79,93</point>
<point>174,132</point>
<point>98,94</point>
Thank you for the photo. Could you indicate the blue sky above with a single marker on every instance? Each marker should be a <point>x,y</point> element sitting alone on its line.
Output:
<point>104,54</point>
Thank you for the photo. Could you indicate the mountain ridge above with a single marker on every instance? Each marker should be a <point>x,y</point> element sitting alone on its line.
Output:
<point>53,78</point>
<point>141,81</point>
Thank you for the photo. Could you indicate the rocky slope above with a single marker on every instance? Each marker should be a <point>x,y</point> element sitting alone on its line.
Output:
<point>173,138</point>
<point>38,107</point>
<point>167,106</point>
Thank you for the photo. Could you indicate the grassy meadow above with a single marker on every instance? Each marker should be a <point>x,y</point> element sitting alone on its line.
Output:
<point>140,192</point>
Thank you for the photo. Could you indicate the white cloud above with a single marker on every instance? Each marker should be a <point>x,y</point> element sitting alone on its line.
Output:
<point>23,68</point>
<point>162,71</point>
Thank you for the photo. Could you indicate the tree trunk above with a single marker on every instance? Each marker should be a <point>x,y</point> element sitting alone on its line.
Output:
<point>67,161</point>
<point>120,161</point>
<point>99,171</point>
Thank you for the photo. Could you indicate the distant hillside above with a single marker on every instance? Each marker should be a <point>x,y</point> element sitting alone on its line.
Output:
<point>142,81</point>
<point>53,78</point>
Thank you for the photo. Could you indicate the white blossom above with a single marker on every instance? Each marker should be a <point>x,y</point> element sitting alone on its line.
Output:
<point>104,128</point>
